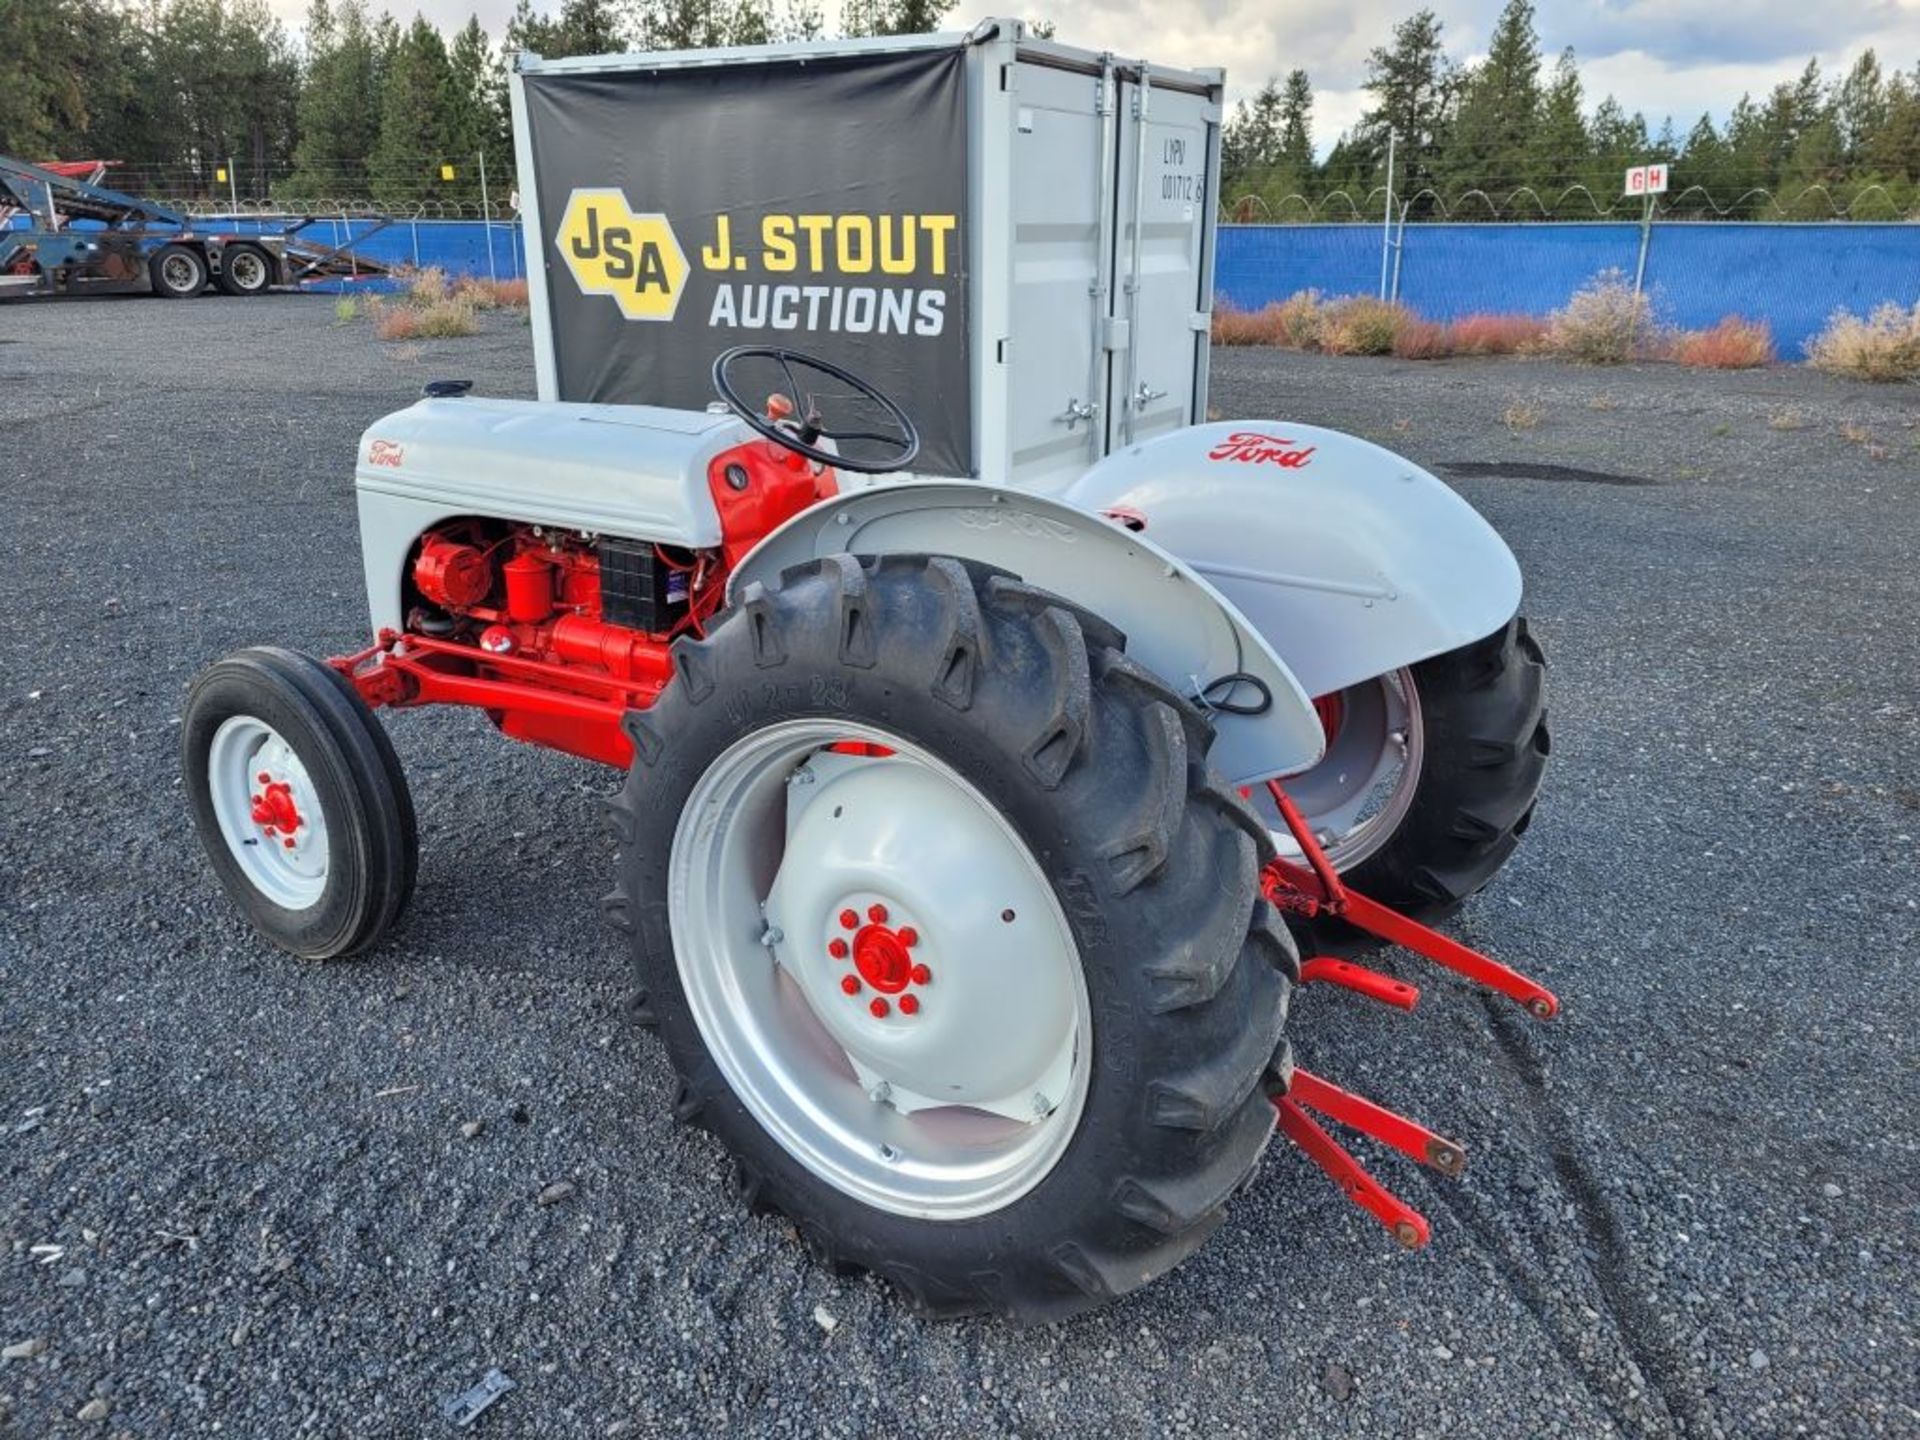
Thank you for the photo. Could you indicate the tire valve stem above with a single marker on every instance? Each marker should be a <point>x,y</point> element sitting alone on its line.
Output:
<point>1042,1106</point>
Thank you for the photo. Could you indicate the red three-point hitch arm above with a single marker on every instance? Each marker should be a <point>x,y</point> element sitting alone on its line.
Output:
<point>1313,888</point>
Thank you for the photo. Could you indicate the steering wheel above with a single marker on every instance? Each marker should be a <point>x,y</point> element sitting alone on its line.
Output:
<point>799,434</point>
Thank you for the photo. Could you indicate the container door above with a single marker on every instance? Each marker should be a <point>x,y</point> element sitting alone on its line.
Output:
<point>1063,151</point>
<point>1168,149</point>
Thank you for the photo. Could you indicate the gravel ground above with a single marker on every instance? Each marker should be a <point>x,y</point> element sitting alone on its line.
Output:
<point>236,1195</point>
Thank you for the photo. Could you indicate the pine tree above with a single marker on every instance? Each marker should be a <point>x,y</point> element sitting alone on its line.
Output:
<point>471,110</point>
<point>415,121</point>
<point>1561,144</point>
<point>1414,85</point>
<point>1492,139</point>
<point>1296,124</point>
<point>339,110</point>
<point>1860,108</point>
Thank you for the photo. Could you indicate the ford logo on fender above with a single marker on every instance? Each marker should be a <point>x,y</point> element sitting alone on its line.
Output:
<point>1250,447</point>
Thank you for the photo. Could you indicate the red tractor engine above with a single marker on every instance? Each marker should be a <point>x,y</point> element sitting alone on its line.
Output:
<point>556,634</point>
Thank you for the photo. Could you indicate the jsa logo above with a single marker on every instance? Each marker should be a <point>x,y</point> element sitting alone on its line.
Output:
<point>613,251</point>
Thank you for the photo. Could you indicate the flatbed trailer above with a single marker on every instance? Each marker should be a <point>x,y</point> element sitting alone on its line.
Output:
<point>82,237</point>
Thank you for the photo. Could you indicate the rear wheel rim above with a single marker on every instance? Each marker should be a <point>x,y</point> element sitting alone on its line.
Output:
<point>1363,788</point>
<point>857,947</point>
<point>247,270</point>
<point>268,812</point>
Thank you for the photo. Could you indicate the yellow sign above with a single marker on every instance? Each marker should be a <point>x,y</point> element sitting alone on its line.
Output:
<point>220,174</point>
<point>613,251</point>
<point>446,172</point>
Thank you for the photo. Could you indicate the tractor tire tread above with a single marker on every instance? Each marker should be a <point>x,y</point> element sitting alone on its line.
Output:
<point>1094,747</point>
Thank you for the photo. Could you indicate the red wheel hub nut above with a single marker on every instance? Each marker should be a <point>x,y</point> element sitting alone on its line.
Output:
<point>909,1005</point>
<point>849,920</point>
<point>877,914</point>
<point>879,1008</point>
<point>837,948</point>
<point>850,984</point>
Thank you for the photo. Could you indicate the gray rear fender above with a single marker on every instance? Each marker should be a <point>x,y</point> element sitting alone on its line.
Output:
<point>1351,560</point>
<point>1177,623</point>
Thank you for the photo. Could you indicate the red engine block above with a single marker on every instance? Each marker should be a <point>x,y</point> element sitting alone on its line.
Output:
<point>513,618</point>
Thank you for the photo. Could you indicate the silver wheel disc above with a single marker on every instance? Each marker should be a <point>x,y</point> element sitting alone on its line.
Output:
<point>1361,790</point>
<point>880,969</point>
<point>249,272</point>
<point>268,812</point>
<point>180,272</point>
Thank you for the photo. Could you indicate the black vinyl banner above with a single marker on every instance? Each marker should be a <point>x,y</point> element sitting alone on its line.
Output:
<point>819,206</point>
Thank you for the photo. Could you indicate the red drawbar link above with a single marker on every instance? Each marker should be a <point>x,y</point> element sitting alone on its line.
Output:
<point>1406,1224</point>
<point>1326,970</point>
<point>1313,888</point>
<point>1408,1137</point>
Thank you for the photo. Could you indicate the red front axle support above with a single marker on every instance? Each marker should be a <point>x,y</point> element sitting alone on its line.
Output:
<point>1314,888</point>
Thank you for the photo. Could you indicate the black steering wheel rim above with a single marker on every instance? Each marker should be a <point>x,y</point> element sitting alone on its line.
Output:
<point>907,444</point>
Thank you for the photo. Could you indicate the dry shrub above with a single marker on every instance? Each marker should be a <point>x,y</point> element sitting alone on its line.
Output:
<point>445,319</point>
<point>1884,346</point>
<point>1604,323</point>
<point>1497,334</point>
<point>423,286</point>
<point>484,294</point>
<point>1733,344</point>
<point>1423,340</point>
<point>1301,319</point>
<point>1244,327</point>
<point>1523,412</point>
<point>1362,325</point>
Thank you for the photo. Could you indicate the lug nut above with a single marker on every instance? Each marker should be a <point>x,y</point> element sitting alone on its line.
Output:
<point>850,984</point>
<point>289,842</point>
<point>877,914</point>
<point>879,1008</point>
<point>264,778</point>
<point>909,936</point>
<point>837,948</point>
<point>921,975</point>
<point>909,1005</point>
<point>849,920</point>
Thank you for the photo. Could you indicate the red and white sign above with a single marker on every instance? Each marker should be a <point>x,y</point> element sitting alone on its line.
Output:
<point>1647,180</point>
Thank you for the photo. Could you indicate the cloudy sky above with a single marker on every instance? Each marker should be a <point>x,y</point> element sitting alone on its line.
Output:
<point>1678,57</point>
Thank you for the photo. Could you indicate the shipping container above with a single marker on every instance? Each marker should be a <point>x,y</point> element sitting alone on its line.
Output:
<point>1012,237</point>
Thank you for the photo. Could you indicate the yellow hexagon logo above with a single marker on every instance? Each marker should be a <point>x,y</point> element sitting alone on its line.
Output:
<point>613,251</point>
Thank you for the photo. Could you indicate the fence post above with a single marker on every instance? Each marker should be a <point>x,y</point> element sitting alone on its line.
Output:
<point>1386,220</point>
<point>1646,240</point>
<point>1399,250</point>
<point>233,186</point>
<point>486,218</point>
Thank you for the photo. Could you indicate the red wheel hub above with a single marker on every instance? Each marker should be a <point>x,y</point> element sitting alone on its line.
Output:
<point>274,809</point>
<point>882,960</point>
<point>1332,710</point>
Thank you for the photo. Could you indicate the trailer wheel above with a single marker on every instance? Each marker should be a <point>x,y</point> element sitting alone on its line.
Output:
<point>178,272</point>
<point>299,800</point>
<point>955,942</point>
<point>245,270</point>
<point>1454,750</point>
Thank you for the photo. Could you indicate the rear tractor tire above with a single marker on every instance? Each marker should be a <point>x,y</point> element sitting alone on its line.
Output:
<point>1468,730</point>
<point>299,800</point>
<point>954,941</point>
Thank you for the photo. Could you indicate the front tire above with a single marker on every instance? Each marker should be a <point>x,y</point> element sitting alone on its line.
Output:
<point>1030,814</point>
<point>299,800</point>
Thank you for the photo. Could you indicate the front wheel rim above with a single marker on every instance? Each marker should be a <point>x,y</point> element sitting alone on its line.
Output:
<point>179,272</point>
<point>880,969</point>
<point>268,812</point>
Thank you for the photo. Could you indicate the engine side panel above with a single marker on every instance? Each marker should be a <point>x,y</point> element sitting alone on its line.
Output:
<point>1177,624</point>
<point>1349,560</point>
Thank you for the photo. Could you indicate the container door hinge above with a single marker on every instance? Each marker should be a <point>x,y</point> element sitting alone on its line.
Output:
<point>1200,322</point>
<point>1115,334</point>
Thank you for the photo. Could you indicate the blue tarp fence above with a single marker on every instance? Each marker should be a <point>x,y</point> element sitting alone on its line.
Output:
<point>1792,276</point>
